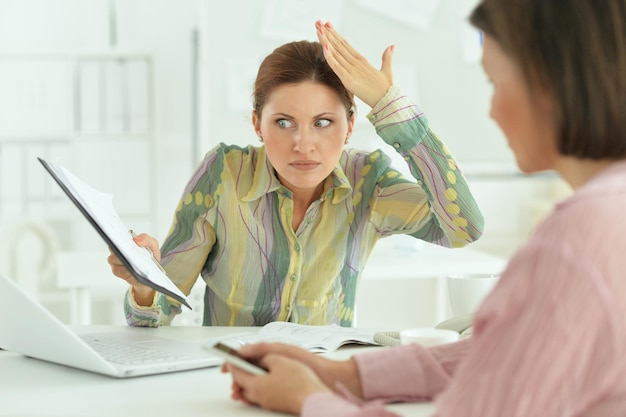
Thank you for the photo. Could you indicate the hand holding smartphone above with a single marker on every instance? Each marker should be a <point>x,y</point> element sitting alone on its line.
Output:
<point>231,356</point>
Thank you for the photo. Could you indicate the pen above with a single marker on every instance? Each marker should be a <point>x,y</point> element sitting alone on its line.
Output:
<point>134,235</point>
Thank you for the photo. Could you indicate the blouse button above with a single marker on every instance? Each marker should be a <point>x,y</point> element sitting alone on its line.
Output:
<point>396,145</point>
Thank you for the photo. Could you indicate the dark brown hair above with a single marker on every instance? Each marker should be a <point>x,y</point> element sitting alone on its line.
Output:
<point>293,63</point>
<point>576,50</point>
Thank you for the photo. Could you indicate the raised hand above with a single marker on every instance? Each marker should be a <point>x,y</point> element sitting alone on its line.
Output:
<point>355,72</point>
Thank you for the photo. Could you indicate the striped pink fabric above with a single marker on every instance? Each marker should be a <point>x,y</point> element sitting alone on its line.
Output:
<point>549,341</point>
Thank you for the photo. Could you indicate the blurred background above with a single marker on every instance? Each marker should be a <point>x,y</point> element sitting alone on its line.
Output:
<point>130,94</point>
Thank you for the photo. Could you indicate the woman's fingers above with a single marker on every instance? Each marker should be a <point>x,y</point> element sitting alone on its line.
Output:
<point>259,350</point>
<point>118,269</point>
<point>353,69</point>
<point>386,67</point>
<point>340,52</point>
<point>147,241</point>
<point>285,388</point>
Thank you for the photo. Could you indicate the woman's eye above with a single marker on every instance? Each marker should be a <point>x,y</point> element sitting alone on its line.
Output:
<point>322,123</point>
<point>284,123</point>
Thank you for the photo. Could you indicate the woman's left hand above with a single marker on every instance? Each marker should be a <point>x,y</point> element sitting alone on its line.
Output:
<point>285,387</point>
<point>354,71</point>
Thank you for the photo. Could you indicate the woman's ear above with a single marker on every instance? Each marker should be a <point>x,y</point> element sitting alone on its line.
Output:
<point>351,124</point>
<point>256,122</point>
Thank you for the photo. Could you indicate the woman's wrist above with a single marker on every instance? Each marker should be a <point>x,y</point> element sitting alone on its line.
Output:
<point>142,295</point>
<point>344,374</point>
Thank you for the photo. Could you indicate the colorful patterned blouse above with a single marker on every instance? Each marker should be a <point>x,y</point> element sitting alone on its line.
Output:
<point>233,227</point>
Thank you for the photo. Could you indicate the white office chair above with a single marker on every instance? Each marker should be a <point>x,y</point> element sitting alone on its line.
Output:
<point>30,246</point>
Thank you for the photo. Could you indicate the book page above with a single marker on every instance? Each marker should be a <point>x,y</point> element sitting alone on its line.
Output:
<point>312,338</point>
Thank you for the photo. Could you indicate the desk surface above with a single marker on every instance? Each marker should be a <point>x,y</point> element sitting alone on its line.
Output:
<point>30,387</point>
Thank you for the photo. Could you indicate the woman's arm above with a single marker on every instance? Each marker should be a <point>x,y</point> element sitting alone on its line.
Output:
<point>184,251</point>
<point>314,385</point>
<point>438,206</point>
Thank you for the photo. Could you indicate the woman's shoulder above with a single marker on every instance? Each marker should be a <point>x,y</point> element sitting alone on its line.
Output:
<point>227,153</point>
<point>589,226</point>
<point>225,148</point>
<point>228,157</point>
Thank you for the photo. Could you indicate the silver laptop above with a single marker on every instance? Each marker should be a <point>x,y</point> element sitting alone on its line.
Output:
<point>28,328</point>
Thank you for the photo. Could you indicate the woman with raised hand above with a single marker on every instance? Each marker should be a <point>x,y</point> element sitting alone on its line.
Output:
<point>283,230</point>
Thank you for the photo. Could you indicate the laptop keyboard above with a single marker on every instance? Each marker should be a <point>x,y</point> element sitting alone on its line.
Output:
<point>115,351</point>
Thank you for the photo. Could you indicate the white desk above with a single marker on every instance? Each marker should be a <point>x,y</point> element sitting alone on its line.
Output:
<point>30,387</point>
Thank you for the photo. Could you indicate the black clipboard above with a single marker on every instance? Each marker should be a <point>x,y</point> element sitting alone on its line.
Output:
<point>141,277</point>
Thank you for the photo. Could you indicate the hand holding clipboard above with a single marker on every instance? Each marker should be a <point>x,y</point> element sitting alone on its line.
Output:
<point>97,207</point>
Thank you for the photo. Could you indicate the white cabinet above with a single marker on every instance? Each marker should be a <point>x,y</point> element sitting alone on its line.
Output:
<point>92,113</point>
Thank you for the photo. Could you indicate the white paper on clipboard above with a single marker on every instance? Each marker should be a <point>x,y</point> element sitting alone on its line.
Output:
<point>98,209</point>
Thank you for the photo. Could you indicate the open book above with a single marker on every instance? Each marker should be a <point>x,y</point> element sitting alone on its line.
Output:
<point>312,338</point>
<point>97,207</point>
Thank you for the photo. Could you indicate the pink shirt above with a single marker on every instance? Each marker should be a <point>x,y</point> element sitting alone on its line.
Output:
<point>550,340</point>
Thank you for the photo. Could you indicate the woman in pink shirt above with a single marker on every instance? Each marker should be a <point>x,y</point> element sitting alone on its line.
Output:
<point>550,340</point>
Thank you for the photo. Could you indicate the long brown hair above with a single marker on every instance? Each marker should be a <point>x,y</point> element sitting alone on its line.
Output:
<point>576,50</point>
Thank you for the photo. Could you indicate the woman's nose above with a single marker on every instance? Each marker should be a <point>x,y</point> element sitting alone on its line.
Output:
<point>303,141</point>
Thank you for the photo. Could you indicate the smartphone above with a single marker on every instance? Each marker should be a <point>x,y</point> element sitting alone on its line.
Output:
<point>230,355</point>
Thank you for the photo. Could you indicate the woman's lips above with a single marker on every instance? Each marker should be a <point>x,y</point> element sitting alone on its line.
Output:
<point>305,165</point>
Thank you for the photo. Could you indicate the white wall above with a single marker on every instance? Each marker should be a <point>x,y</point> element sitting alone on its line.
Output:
<point>435,62</point>
<point>430,66</point>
